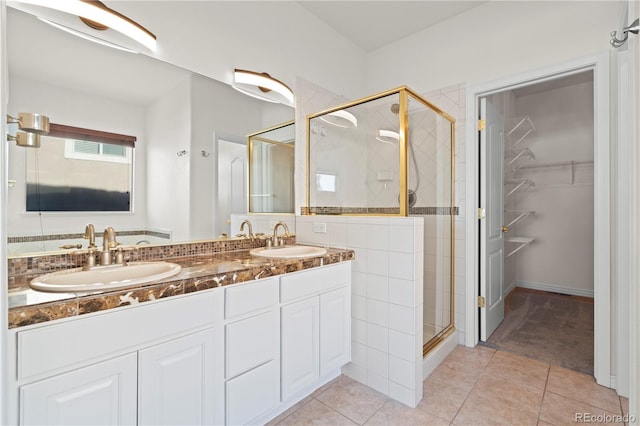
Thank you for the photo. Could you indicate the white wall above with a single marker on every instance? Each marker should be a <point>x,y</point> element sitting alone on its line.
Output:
<point>77,109</point>
<point>561,257</point>
<point>496,39</point>
<point>278,37</point>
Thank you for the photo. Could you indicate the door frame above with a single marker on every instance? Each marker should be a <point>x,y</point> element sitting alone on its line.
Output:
<point>602,221</point>
<point>217,136</point>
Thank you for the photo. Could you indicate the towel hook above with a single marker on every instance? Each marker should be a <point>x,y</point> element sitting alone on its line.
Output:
<point>633,28</point>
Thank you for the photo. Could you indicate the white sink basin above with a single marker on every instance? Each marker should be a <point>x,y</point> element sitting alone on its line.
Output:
<point>289,252</point>
<point>101,278</point>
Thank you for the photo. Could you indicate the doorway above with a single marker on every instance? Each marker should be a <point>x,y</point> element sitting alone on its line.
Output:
<point>231,182</point>
<point>487,266</point>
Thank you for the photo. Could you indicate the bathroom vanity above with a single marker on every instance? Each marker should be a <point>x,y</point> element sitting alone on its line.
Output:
<point>229,348</point>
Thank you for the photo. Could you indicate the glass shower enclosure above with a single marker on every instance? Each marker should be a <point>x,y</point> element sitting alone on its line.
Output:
<point>392,154</point>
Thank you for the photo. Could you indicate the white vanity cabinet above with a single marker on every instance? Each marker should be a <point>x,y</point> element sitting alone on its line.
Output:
<point>104,393</point>
<point>252,336</point>
<point>149,364</point>
<point>316,325</point>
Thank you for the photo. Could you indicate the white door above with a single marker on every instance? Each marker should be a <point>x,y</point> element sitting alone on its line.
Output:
<point>335,329</point>
<point>300,350</point>
<point>491,238</point>
<point>176,382</point>
<point>102,394</point>
<point>232,184</point>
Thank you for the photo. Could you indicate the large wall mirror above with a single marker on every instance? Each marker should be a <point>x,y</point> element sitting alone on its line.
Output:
<point>176,116</point>
<point>271,162</point>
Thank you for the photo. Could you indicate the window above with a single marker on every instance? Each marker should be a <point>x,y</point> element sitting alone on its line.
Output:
<point>80,170</point>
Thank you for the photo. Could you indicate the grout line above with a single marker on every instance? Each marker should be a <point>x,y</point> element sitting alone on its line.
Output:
<point>544,392</point>
<point>374,413</point>
<point>338,412</point>
<point>473,387</point>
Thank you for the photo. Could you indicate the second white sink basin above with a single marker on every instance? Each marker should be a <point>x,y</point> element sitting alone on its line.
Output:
<point>101,278</point>
<point>289,252</point>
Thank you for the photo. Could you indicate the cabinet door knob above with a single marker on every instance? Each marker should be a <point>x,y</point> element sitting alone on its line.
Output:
<point>505,229</point>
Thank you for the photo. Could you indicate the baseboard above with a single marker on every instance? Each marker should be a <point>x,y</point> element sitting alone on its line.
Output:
<point>438,354</point>
<point>555,289</point>
<point>510,287</point>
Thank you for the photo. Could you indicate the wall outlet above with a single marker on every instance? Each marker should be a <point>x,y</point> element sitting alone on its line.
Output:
<point>320,228</point>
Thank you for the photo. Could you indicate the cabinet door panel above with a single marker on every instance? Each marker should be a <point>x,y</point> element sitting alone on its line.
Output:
<point>102,394</point>
<point>252,394</point>
<point>335,329</point>
<point>300,362</point>
<point>176,381</point>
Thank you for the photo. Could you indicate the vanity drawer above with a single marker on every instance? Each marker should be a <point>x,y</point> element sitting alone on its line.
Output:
<point>251,342</point>
<point>251,297</point>
<point>93,337</point>
<point>314,281</point>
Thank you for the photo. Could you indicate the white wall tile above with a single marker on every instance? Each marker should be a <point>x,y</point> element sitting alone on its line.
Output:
<point>378,362</point>
<point>359,331</point>
<point>359,307</point>
<point>359,354</point>
<point>401,265</point>
<point>377,312</point>
<point>359,283</point>
<point>402,319</point>
<point>406,396</point>
<point>356,372</point>
<point>378,287</point>
<point>378,337</point>
<point>402,372</point>
<point>401,292</point>
<point>401,238</point>
<point>378,383</point>
<point>357,235</point>
<point>377,262</point>
<point>402,345</point>
<point>378,237</point>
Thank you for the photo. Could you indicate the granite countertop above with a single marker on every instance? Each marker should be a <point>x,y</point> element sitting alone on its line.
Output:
<point>199,272</point>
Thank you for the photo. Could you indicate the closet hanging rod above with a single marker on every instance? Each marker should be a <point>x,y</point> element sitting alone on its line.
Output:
<point>558,164</point>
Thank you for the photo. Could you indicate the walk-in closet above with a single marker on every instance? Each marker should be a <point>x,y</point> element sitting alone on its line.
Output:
<point>548,221</point>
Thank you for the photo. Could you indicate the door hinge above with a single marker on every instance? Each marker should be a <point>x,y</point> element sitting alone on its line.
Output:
<point>482,213</point>
<point>481,125</point>
<point>481,302</point>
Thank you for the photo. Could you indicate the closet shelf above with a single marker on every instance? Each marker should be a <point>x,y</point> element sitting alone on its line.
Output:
<point>526,152</point>
<point>520,131</point>
<point>521,241</point>
<point>521,214</point>
<point>519,183</point>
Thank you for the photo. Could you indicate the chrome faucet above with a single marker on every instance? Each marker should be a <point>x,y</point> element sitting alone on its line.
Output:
<point>108,242</point>
<point>278,241</point>
<point>246,222</point>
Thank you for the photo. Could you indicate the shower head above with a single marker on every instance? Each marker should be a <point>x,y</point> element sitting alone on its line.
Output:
<point>395,108</point>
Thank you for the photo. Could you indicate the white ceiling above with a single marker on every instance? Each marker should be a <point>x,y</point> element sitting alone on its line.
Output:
<point>373,24</point>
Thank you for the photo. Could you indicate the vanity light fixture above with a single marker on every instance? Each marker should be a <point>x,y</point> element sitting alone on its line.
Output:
<point>262,86</point>
<point>388,136</point>
<point>86,36</point>
<point>94,14</point>
<point>33,125</point>
<point>340,118</point>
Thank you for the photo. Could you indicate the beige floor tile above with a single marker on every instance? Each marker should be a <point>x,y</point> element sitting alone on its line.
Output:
<point>625,404</point>
<point>316,413</point>
<point>543,423</point>
<point>481,408</point>
<point>352,399</point>
<point>583,388</point>
<point>325,387</point>
<point>394,413</point>
<point>289,411</point>
<point>477,357</point>
<point>516,367</point>
<point>455,373</point>
<point>442,399</point>
<point>510,393</point>
<point>559,410</point>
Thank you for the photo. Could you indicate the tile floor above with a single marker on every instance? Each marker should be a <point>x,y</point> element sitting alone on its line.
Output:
<point>479,386</point>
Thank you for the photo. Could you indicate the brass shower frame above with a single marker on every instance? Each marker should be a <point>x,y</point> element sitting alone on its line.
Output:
<point>403,92</point>
<point>250,138</point>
